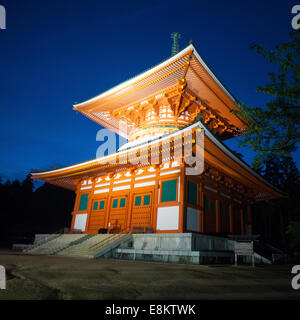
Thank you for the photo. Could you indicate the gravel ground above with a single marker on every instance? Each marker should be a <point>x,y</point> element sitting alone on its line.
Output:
<point>49,277</point>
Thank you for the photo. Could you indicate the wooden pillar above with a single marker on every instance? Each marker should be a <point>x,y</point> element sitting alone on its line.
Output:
<point>231,225</point>
<point>242,221</point>
<point>75,205</point>
<point>218,215</point>
<point>182,216</point>
<point>155,197</point>
<point>89,207</point>
<point>107,211</point>
<point>201,206</point>
<point>249,217</point>
<point>130,200</point>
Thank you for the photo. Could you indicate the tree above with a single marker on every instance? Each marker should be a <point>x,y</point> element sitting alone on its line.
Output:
<point>284,174</point>
<point>293,232</point>
<point>277,220</point>
<point>27,184</point>
<point>273,131</point>
<point>25,212</point>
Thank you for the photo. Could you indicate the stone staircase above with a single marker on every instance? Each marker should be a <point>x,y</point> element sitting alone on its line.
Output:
<point>95,246</point>
<point>38,241</point>
<point>53,246</point>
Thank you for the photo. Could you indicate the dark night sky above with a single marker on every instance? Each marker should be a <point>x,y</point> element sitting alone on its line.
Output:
<point>54,53</point>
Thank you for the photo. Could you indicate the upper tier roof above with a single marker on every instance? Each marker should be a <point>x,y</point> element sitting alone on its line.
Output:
<point>186,64</point>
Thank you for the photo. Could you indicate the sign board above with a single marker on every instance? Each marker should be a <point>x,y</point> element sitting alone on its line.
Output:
<point>243,248</point>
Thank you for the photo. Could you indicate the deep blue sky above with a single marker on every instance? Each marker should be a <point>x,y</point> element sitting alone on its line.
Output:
<point>54,53</point>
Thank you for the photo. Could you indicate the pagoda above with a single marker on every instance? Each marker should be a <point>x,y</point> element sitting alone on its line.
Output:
<point>126,191</point>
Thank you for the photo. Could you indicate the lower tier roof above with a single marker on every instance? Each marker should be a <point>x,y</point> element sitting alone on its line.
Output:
<point>216,155</point>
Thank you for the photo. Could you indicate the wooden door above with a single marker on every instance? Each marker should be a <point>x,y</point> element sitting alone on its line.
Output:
<point>142,210</point>
<point>118,214</point>
<point>237,219</point>
<point>224,217</point>
<point>97,216</point>
<point>209,214</point>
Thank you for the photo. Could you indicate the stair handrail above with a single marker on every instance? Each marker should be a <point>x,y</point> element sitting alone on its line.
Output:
<point>119,236</point>
<point>104,241</point>
<point>72,243</point>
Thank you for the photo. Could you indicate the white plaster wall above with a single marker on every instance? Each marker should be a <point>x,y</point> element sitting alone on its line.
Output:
<point>192,219</point>
<point>101,191</point>
<point>80,221</point>
<point>144,184</point>
<point>167,218</point>
<point>121,188</point>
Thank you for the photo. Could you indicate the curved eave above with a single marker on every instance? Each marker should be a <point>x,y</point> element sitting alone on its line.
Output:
<point>158,79</point>
<point>248,175</point>
<point>272,190</point>
<point>153,70</point>
<point>86,165</point>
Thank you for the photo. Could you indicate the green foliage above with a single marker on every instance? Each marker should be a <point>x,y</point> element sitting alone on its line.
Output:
<point>293,231</point>
<point>273,131</point>
<point>282,173</point>
<point>271,218</point>
<point>25,211</point>
<point>27,184</point>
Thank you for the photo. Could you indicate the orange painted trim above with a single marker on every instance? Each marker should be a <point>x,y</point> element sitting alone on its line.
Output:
<point>181,200</point>
<point>155,198</point>
<point>168,231</point>
<point>109,203</point>
<point>130,199</point>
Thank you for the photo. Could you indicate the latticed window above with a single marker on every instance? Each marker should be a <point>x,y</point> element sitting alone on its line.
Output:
<point>95,206</point>
<point>115,203</point>
<point>122,202</point>
<point>138,201</point>
<point>83,202</point>
<point>98,205</point>
<point>192,192</point>
<point>147,200</point>
<point>143,200</point>
<point>169,191</point>
<point>101,206</point>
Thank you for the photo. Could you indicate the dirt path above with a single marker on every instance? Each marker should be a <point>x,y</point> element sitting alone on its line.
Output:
<point>46,277</point>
